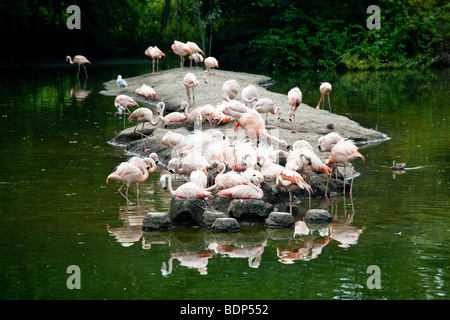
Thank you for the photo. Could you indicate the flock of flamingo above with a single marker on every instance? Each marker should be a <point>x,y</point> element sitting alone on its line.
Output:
<point>241,164</point>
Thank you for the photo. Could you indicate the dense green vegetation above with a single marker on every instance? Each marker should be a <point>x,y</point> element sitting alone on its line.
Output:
<point>282,35</point>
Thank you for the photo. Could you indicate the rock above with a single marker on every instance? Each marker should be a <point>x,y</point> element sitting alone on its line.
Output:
<point>317,216</point>
<point>187,211</point>
<point>280,220</point>
<point>225,225</point>
<point>210,216</point>
<point>156,221</point>
<point>249,210</point>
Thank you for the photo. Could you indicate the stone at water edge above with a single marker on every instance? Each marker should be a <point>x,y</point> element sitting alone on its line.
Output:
<point>317,216</point>
<point>225,225</point>
<point>156,221</point>
<point>280,220</point>
<point>249,209</point>
<point>210,216</point>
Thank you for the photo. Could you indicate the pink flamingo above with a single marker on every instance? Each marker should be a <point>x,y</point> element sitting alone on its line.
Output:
<point>171,117</point>
<point>344,152</point>
<point>207,112</point>
<point>197,57</point>
<point>189,190</point>
<point>266,105</point>
<point>253,125</point>
<point>142,115</point>
<point>181,49</point>
<point>190,82</point>
<point>122,102</point>
<point>294,99</point>
<point>144,164</point>
<point>230,89</point>
<point>194,49</point>
<point>291,181</point>
<point>227,180</point>
<point>81,61</point>
<point>146,91</point>
<point>210,64</point>
<point>325,89</point>
<point>327,142</point>
<point>154,53</point>
<point>249,94</point>
<point>249,191</point>
<point>199,178</point>
<point>128,173</point>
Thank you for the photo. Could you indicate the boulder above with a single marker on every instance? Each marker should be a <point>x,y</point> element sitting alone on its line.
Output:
<point>225,225</point>
<point>249,210</point>
<point>317,216</point>
<point>156,221</point>
<point>187,211</point>
<point>280,220</point>
<point>210,216</point>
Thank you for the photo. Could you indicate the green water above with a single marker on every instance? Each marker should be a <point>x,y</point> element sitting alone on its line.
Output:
<point>55,206</point>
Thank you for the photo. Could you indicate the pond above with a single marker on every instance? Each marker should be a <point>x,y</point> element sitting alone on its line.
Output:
<point>57,210</point>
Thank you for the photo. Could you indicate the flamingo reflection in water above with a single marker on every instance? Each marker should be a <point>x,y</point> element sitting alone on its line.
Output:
<point>253,254</point>
<point>191,259</point>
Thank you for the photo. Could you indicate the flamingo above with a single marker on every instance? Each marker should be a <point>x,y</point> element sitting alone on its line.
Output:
<point>249,94</point>
<point>142,115</point>
<point>174,140</point>
<point>81,61</point>
<point>230,89</point>
<point>121,83</point>
<point>344,152</point>
<point>171,117</point>
<point>249,191</point>
<point>189,190</point>
<point>194,50</point>
<point>146,92</point>
<point>253,125</point>
<point>197,57</point>
<point>266,105</point>
<point>154,53</point>
<point>235,109</point>
<point>194,114</point>
<point>181,49</point>
<point>227,180</point>
<point>190,82</point>
<point>122,102</point>
<point>294,99</point>
<point>207,112</point>
<point>325,89</point>
<point>144,164</point>
<point>327,142</point>
<point>128,173</point>
<point>210,64</point>
<point>199,178</point>
<point>291,181</point>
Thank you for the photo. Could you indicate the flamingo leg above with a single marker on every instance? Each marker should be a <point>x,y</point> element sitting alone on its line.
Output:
<point>329,103</point>
<point>157,66</point>
<point>137,191</point>
<point>214,74</point>
<point>326,188</point>
<point>293,124</point>
<point>351,183</point>
<point>344,179</point>
<point>153,66</point>
<point>124,195</point>
<point>85,71</point>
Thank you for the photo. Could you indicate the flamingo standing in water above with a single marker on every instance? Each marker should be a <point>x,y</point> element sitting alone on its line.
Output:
<point>266,105</point>
<point>194,49</point>
<point>344,152</point>
<point>81,61</point>
<point>148,163</point>
<point>249,94</point>
<point>253,125</point>
<point>210,64</point>
<point>190,82</point>
<point>189,190</point>
<point>294,99</point>
<point>154,53</point>
<point>128,173</point>
<point>249,191</point>
<point>181,49</point>
<point>325,89</point>
<point>171,117</point>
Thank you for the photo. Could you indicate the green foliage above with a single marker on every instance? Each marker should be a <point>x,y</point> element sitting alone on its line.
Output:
<point>270,35</point>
